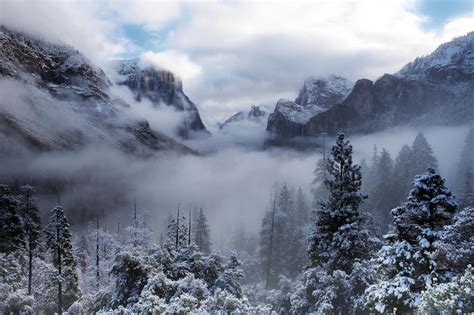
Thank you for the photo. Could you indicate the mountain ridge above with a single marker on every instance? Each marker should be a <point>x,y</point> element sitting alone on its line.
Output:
<point>433,89</point>
<point>48,83</point>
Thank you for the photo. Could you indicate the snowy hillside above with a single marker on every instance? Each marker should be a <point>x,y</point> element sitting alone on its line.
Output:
<point>456,55</point>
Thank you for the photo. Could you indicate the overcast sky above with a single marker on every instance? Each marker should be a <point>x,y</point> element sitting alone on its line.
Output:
<point>231,54</point>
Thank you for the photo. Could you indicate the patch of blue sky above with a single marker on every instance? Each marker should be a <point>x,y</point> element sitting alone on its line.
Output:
<point>439,12</point>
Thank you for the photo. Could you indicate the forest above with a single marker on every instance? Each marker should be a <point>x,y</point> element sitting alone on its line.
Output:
<point>384,236</point>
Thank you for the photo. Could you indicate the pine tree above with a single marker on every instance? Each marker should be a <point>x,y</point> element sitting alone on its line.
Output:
<point>339,234</point>
<point>371,178</point>
<point>58,242</point>
<point>177,231</point>
<point>229,280</point>
<point>31,225</point>
<point>402,173</point>
<point>318,188</point>
<point>406,263</point>
<point>271,226</point>
<point>454,250</point>
<point>467,158</point>
<point>11,226</point>
<point>202,233</point>
<point>467,193</point>
<point>301,209</point>
<point>422,156</point>
<point>381,197</point>
<point>97,255</point>
<point>82,253</point>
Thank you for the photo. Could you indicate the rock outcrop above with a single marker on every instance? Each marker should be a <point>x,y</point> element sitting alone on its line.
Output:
<point>162,88</point>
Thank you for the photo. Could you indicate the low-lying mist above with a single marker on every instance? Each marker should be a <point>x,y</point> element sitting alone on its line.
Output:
<point>233,184</point>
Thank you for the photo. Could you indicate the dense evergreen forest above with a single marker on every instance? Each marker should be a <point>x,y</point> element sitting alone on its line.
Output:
<point>385,236</point>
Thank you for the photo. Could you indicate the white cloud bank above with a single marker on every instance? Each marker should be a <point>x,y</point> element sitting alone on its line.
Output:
<point>174,61</point>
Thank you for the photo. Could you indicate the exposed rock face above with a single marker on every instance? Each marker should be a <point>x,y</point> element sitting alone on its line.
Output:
<point>317,95</point>
<point>54,98</point>
<point>436,89</point>
<point>255,114</point>
<point>161,87</point>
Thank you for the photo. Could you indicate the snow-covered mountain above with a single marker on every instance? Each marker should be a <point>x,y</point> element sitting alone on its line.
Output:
<point>161,87</point>
<point>434,89</point>
<point>450,61</point>
<point>317,95</point>
<point>54,98</point>
<point>256,114</point>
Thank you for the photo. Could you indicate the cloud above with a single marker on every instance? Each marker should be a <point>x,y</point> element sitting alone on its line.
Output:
<point>457,27</point>
<point>174,61</point>
<point>70,22</point>
<point>162,118</point>
<point>153,15</point>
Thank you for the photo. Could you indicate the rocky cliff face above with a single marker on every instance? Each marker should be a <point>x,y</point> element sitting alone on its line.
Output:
<point>317,95</point>
<point>435,89</point>
<point>162,88</point>
<point>54,98</point>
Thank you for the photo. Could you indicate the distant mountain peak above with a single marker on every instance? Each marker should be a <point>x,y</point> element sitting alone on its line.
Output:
<point>255,114</point>
<point>324,91</point>
<point>318,94</point>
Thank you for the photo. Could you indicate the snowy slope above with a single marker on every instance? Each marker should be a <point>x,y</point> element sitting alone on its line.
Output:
<point>456,55</point>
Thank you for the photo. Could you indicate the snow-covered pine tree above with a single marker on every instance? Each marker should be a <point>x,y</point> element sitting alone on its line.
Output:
<point>270,235</point>
<point>466,198</point>
<point>402,173</point>
<point>301,208</point>
<point>381,198</point>
<point>467,158</point>
<point>177,231</point>
<point>82,253</point>
<point>229,279</point>
<point>32,226</point>
<point>454,250</point>
<point>58,242</point>
<point>318,188</point>
<point>340,234</point>
<point>370,181</point>
<point>422,156</point>
<point>202,233</point>
<point>12,234</point>
<point>130,273</point>
<point>297,235</point>
<point>405,264</point>
<point>453,297</point>
<point>289,238</point>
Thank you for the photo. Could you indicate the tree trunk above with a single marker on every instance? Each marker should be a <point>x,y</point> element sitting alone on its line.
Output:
<point>58,245</point>
<point>270,254</point>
